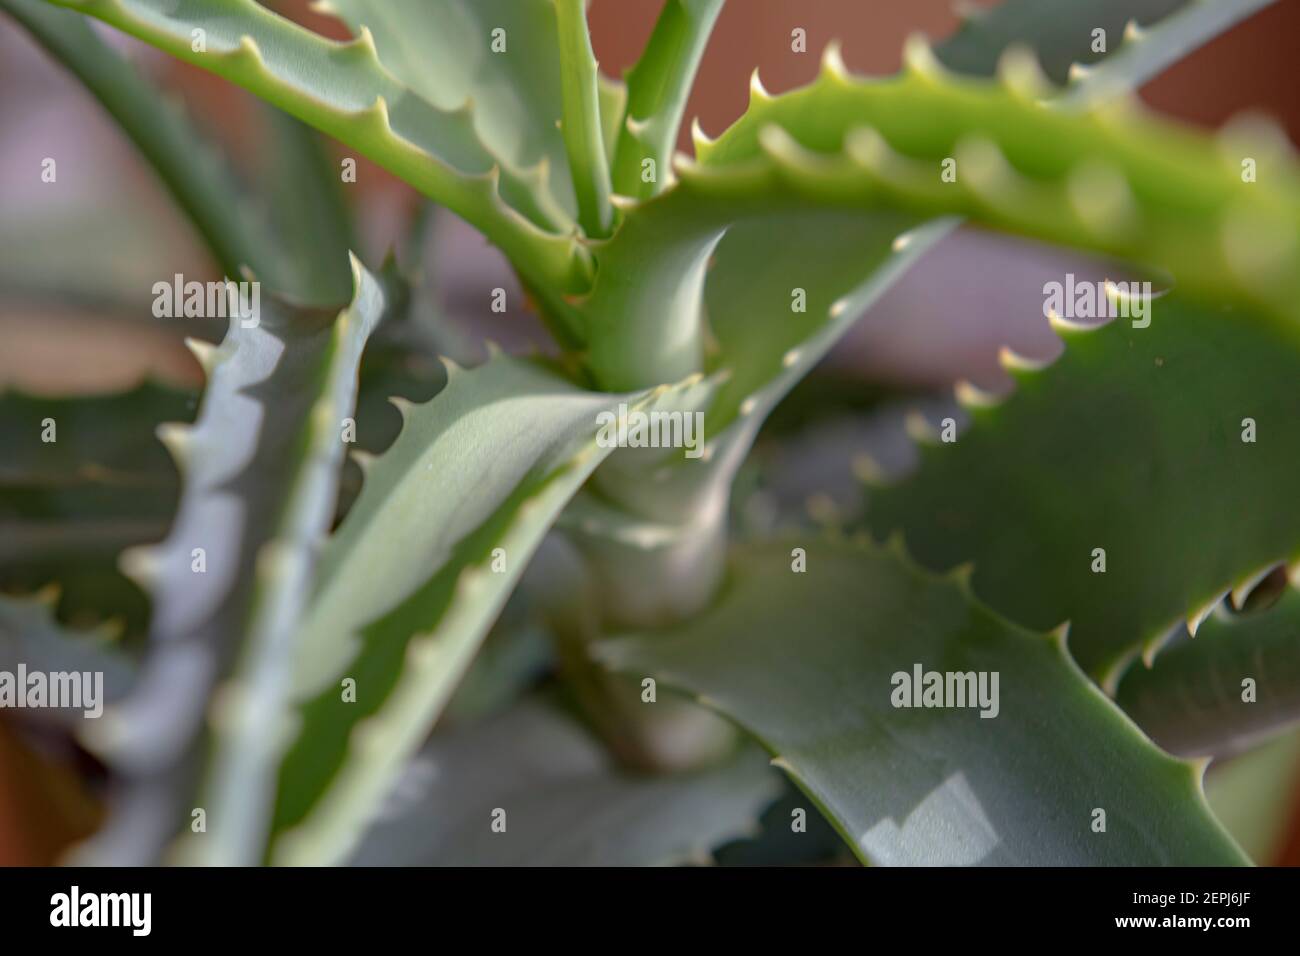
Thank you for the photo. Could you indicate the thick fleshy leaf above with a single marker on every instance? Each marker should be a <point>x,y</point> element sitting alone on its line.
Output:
<point>1100,176</point>
<point>613,105</point>
<point>842,260</point>
<point>1143,53</point>
<point>657,89</point>
<point>1060,32</point>
<point>1237,681</point>
<point>1132,443</point>
<point>343,90</point>
<point>442,49</point>
<point>582,126</point>
<point>446,522</point>
<point>707,269</point>
<point>846,142</point>
<point>562,801</point>
<point>260,471</point>
<point>812,664</point>
<point>703,254</point>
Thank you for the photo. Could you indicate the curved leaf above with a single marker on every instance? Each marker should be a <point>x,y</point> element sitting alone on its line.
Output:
<point>442,50</point>
<point>1143,54</point>
<point>260,472</point>
<point>1094,177</point>
<point>1193,699</point>
<point>582,126</point>
<point>343,90</point>
<point>1132,443</point>
<point>1060,32</point>
<point>446,522</point>
<point>657,89</point>
<point>807,662</point>
<point>1099,177</point>
<point>742,287</point>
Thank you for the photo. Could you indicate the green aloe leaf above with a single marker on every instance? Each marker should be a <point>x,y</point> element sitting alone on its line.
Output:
<point>442,50</point>
<point>1194,698</point>
<point>583,129</point>
<point>343,90</point>
<point>1090,176</point>
<point>859,146</point>
<point>260,472</point>
<point>446,521</point>
<point>714,289</point>
<point>807,663</point>
<point>1131,442</point>
<point>613,106</point>
<point>101,483</point>
<point>564,802</point>
<point>1060,32</point>
<point>1141,53</point>
<point>657,89</point>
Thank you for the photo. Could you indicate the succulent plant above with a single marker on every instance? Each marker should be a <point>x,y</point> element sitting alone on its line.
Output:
<point>301,637</point>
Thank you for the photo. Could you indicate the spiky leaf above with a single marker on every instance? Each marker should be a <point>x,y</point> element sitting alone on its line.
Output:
<point>807,662</point>
<point>1195,699</point>
<point>442,49</point>
<point>657,88</point>
<point>848,142</point>
<point>446,522</point>
<point>1132,442</point>
<point>1096,176</point>
<point>343,90</point>
<point>1061,34</point>
<point>260,472</point>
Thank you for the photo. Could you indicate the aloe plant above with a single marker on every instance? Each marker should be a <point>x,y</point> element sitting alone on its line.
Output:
<point>285,699</point>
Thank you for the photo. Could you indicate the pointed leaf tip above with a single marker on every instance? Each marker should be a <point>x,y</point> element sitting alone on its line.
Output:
<point>832,64</point>
<point>205,353</point>
<point>1022,75</point>
<point>1013,362</point>
<point>919,58</point>
<point>702,141</point>
<point>972,396</point>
